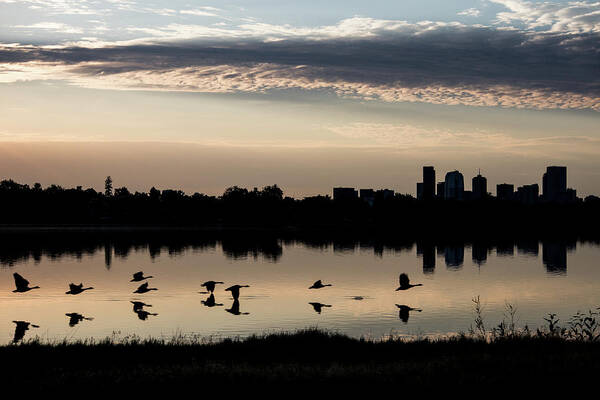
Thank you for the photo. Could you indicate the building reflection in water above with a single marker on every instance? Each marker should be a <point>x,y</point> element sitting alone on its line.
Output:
<point>107,255</point>
<point>505,249</point>
<point>528,247</point>
<point>426,251</point>
<point>554,255</point>
<point>479,253</point>
<point>454,256</point>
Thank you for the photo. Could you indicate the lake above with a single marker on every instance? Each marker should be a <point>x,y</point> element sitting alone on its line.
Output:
<point>535,276</point>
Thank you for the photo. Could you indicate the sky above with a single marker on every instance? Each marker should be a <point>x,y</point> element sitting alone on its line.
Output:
<point>203,95</point>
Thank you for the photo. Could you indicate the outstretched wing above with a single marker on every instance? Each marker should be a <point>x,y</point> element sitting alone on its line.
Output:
<point>20,282</point>
<point>138,275</point>
<point>318,283</point>
<point>73,286</point>
<point>144,286</point>
<point>404,281</point>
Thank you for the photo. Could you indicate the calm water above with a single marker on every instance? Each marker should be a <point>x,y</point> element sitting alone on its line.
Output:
<point>536,277</point>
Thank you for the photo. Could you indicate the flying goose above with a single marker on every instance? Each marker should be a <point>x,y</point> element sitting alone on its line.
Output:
<point>210,285</point>
<point>22,284</point>
<point>138,305</point>
<point>235,290</point>
<point>75,318</point>
<point>405,282</point>
<point>318,285</point>
<point>76,289</point>
<point>144,288</point>
<point>139,276</point>
<point>20,329</point>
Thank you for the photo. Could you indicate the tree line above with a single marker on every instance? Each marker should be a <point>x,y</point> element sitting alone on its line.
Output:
<point>21,204</point>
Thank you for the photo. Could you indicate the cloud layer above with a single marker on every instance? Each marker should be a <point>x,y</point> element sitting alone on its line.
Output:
<point>365,58</point>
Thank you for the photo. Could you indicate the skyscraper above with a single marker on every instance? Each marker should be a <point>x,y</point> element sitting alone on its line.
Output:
<point>441,190</point>
<point>479,187</point>
<point>454,186</point>
<point>554,183</point>
<point>505,191</point>
<point>428,183</point>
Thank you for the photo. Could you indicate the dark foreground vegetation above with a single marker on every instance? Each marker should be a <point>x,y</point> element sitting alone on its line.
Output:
<point>269,208</point>
<point>548,360</point>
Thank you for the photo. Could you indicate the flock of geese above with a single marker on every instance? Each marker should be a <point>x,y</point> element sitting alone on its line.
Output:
<point>22,286</point>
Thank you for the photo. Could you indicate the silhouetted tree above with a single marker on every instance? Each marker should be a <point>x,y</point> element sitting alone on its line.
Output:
<point>108,188</point>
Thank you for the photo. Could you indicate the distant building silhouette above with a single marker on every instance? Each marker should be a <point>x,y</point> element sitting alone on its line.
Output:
<point>479,187</point>
<point>428,183</point>
<point>384,194</point>
<point>344,193</point>
<point>368,196</point>
<point>528,194</point>
<point>454,186</point>
<point>441,190</point>
<point>554,183</point>
<point>419,190</point>
<point>505,191</point>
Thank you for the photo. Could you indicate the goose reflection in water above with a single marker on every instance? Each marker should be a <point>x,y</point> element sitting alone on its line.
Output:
<point>75,318</point>
<point>319,306</point>
<point>235,308</point>
<point>404,312</point>
<point>138,308</point>
<point>21,328</point>
<point>210,301</point>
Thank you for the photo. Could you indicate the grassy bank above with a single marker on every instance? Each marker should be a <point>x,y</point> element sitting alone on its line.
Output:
<point>302,359</point>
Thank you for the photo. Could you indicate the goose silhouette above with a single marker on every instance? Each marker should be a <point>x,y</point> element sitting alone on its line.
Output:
<point>235,290</point>
<point>405,282</point>
<point>404,312</point>
<point>235,308</point>
<point>144,288</point>
<point>319,306</point>
<point>210,285</point>
<point>75,318</point>
<point>22,284</point>
<point>210,301</point>
<point>139,276</point>
<point>76,289</point>
<point>143,314</point>
<point>318,285</point>
<point>21,328</point>
<point>138,305</point>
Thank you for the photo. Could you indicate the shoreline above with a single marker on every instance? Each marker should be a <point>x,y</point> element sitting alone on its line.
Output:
<point>303,357</point>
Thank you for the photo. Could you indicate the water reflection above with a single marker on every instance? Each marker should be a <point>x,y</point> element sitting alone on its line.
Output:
<point>138,309</point>
<point>280,270</point>
<point>554,255</point>
<point>404,312</point>
<point>319,306</point>
<point>235,308</point>
<point>21,248</point>
<point>211,302</point>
